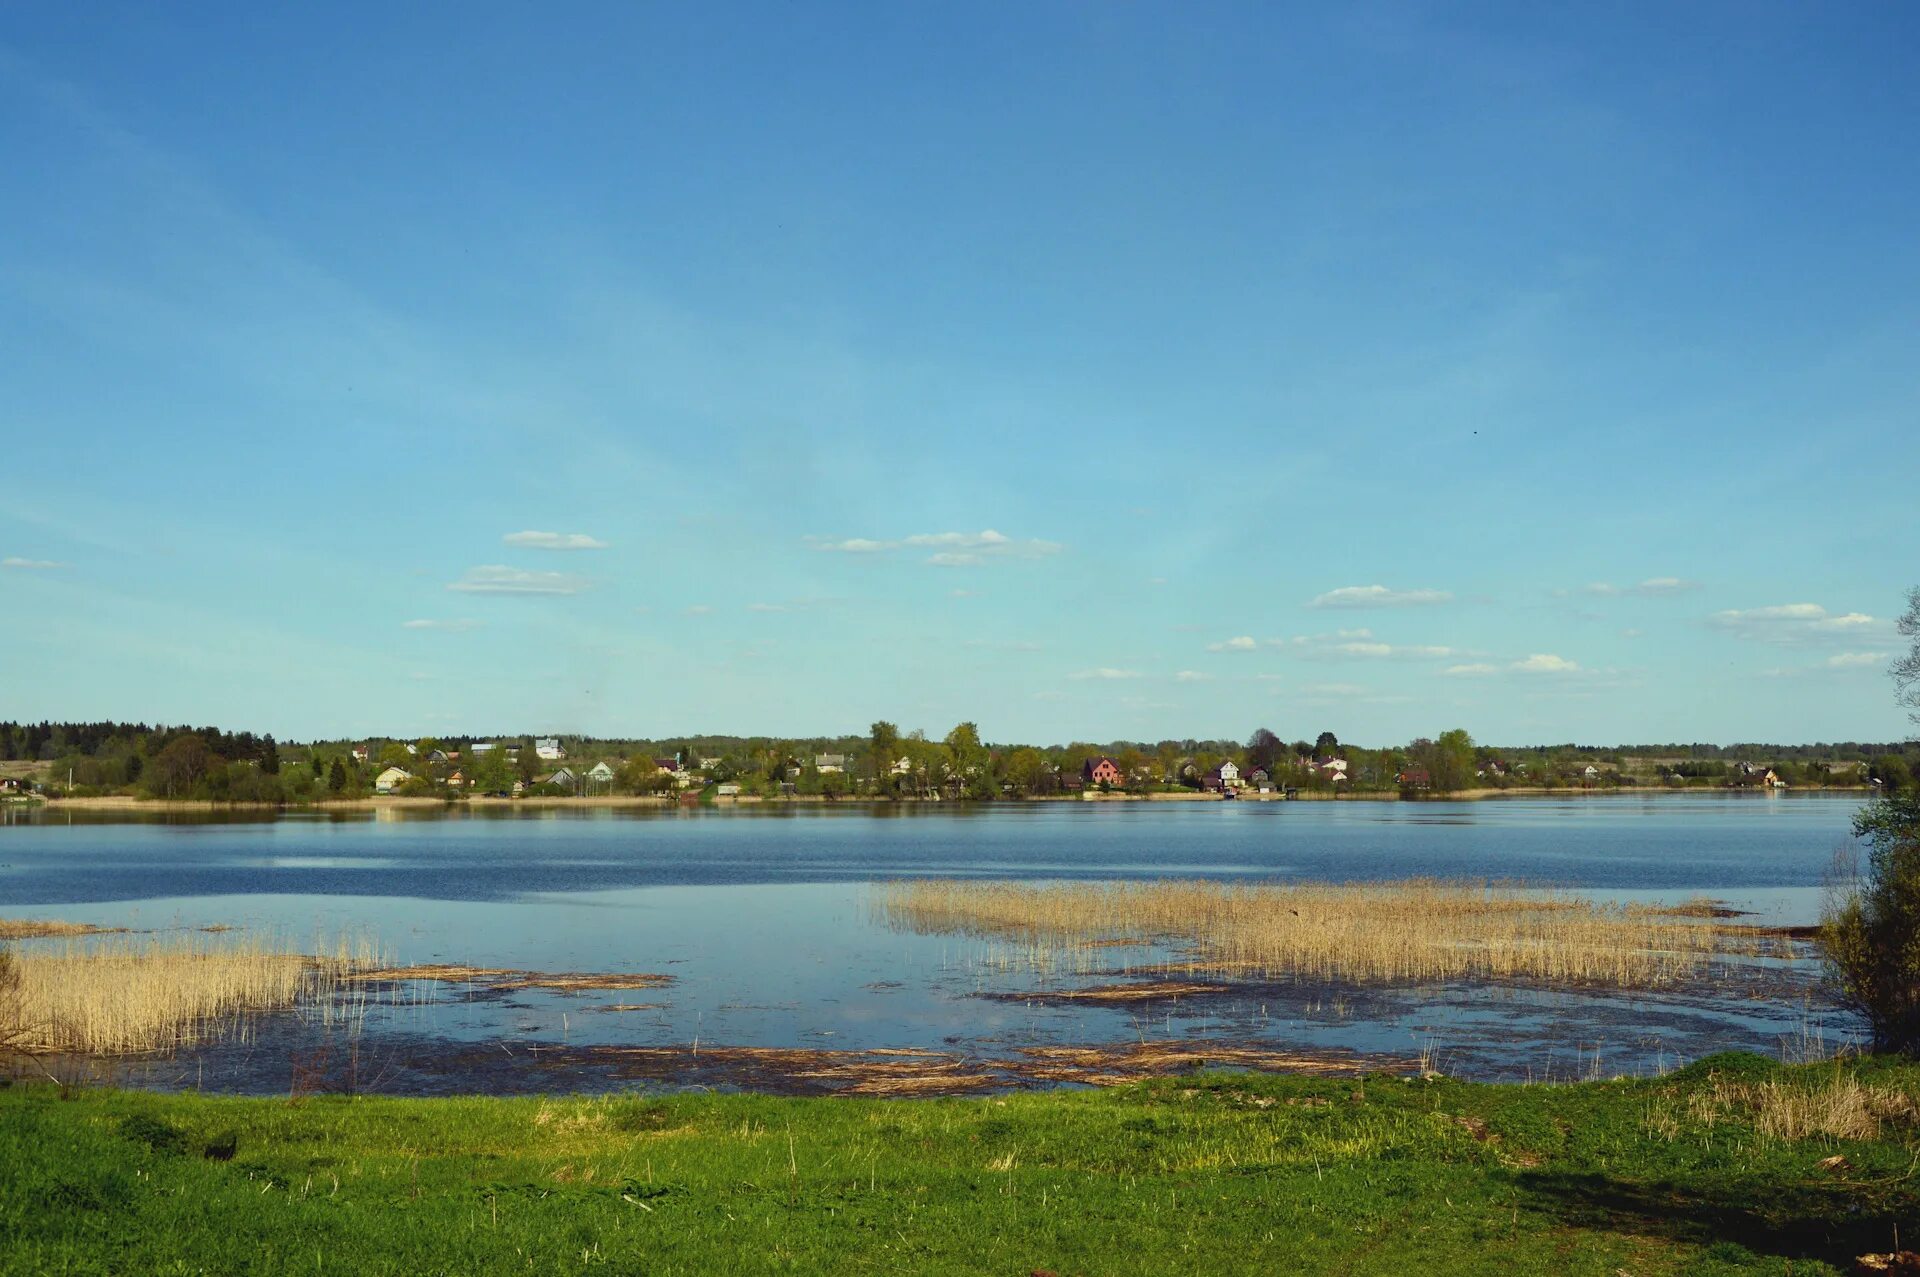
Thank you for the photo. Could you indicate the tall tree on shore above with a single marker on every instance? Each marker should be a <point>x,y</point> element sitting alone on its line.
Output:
<point>885,739</point>
<point>1263,749</point>
<point>1871,936</point>
<point>1906,670</point>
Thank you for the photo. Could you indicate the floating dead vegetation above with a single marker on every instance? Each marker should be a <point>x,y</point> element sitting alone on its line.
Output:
<point>631,1006</point>
<point>508,979</point>
<point>1123,1062</point>
<point>1143,991</point>
<point>1415,931</point>
<point>36,929</point>
<point>907,1072</point>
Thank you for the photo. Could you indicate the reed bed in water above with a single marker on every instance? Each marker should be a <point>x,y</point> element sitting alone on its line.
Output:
<point>1410,931</point>
<point>157,993</point>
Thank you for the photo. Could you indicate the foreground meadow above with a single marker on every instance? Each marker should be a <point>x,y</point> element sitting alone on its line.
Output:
<point>1735,1164</point>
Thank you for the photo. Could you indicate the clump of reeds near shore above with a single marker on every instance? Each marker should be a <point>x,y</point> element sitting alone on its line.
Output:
<point>1410,931</point>
<point>157,993</point>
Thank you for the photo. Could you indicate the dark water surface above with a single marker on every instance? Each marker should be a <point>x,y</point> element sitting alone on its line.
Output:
<point>764,919</point>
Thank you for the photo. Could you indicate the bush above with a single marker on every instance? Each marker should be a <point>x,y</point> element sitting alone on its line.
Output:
<point>1872,936</point>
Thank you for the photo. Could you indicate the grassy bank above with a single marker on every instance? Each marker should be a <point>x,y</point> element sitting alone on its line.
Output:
<point>1733,1165</point>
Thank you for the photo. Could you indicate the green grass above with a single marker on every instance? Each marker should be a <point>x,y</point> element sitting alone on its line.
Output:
<point>1221,1173</point>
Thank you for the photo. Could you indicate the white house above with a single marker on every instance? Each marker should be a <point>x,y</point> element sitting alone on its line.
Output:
<point>548,747</point>
<point>827,763</point>
<point>391,779</point>
<point>1229,774</point>
<point>600,774</point>
<point>483,747</point>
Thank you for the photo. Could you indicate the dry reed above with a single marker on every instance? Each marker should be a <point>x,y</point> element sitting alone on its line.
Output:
<point>128,996</point>
<point>1412,931</point>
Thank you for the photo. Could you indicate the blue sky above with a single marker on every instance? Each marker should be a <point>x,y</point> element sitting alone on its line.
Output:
<point>1089,371</point>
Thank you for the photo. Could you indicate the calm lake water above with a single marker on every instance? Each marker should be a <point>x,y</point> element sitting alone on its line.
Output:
<point>765,920</point>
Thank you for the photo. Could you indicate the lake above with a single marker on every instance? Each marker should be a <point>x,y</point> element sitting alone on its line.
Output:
<point>765,920</point>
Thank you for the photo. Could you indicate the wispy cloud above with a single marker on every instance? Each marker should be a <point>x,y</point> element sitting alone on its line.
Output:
<point>1537,663</point>
<point>1790,623</point>
<point>554,541</point>
<point>497,578</point>
<point>951,549</point>
<point>31,565</point>
<point>1191,676</point>
<point>700,609</point>
<point>1855,660</point>
<point>1657,587</point>
<point>855,545</point>
<point>792,605</point>
<point>1380,596</point>
<point>1106,673</point>
<point>1239,643</point>
<point>456,625</point>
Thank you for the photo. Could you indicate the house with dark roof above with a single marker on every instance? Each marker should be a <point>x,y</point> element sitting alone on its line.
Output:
<point>1102,771</point>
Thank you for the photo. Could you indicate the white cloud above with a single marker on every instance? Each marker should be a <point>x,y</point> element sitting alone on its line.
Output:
<point>952,549</point>
<point>554,541</point>
<point>963,594</point>
<point>1106,673</point>
<point>700,609</point>
<point>1544,663</point>
<point>1656,587</point>
<point>1854,660</point>
<point>1191,676</point>
<point>1800,623</point>
<point>457,625</point>
<point>1477,669</point>
<point>1380,596</point>
<point>497,578</point>
<point>1332,689</point>
<point>1240,643</point>
<point>31,565</point>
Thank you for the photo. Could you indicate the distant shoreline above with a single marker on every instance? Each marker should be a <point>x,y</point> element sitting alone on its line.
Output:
<point>124,803</point>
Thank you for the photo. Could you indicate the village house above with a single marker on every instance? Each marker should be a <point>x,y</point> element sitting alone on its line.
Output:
<point>391,779</point>
<point>457,780</point>
<point>483,747</point>
<point>600,773</point>
<point>728,790</point>
<point>1229,774</point>
<point>548,749</point>
<point>360,753</point>
<point>560,776</point>
<point>1414,778</point>
<point>1102,771</point>
<point>828,764</point>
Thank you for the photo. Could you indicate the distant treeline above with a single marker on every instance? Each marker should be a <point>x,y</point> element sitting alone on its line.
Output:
<point>161,760</point>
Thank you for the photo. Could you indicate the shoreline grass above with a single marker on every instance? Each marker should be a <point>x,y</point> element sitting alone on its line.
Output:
<point>1402,932</point>
<point>1209,1173</point>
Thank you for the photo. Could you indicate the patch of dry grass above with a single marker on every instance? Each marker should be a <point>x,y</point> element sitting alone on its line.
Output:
<point>1838,1107</point>
<point>35,929</point>
<point>1409,931</point>
<point>126,996</point>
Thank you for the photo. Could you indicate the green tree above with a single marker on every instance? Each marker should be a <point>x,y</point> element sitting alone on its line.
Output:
<point>1264,750</point>
<point>1871,937</point>
<point>180,766</point>
<point>337,776</point>
<point>1327,746</point>
<point>1452,765</point>
<point>885,739</point>
<point>270,757</point>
